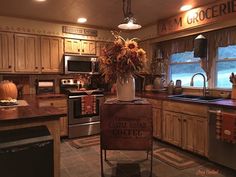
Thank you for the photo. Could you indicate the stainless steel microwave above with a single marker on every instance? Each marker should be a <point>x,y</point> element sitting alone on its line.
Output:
<point>80,64</point>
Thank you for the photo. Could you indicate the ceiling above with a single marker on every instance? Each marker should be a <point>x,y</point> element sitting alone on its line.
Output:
<point>100,13</point>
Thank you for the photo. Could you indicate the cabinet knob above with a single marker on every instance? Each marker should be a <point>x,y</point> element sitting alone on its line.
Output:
<point>185,120</point>
<point>9,66</point>
<point>51,104</point>
<point>78,50</point>
<point>36,67</point>
<point>82,50</point>
<point>42,67</point>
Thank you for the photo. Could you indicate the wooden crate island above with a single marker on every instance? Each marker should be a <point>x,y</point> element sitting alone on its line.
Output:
<point>126,126</point>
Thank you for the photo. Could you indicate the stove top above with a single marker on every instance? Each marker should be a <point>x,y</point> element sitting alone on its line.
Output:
<point>74,91</point>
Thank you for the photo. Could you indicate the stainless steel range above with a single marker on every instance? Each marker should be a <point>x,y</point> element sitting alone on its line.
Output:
<point>83,109</point>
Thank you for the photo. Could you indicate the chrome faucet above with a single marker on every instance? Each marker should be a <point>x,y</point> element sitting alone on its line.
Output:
<point>204,82</point>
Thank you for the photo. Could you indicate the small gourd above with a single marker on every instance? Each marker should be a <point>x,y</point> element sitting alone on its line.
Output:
<point>8,90</point>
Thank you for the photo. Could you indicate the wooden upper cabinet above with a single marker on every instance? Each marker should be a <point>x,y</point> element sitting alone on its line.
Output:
<point>81,47</point>
<point>6,52</point>
<point>88,48</point>
<point>72,46</point>
<point>51,54</point>
<point>27,49</point>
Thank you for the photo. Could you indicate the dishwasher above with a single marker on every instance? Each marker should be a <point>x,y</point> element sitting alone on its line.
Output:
<point>26,152</point>
<point>221,152</point>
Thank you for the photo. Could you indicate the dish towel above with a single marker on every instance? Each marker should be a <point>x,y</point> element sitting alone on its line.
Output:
<point>88,104</point>
<point>226,127</point>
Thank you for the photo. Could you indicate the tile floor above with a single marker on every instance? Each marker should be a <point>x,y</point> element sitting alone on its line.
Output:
<point>85,162</point>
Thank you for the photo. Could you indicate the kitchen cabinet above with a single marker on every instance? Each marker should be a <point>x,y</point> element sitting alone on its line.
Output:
<point>60,103</point>
<point>81,47</point>
<point>156,114</point>
<point>27,53</point>
<point>51,54</point>
<point>172,127</point>
<point>6,52</point>
<point>186,125</point>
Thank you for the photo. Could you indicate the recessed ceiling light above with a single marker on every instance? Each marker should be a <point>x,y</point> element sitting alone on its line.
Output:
<point>185,7</point>
<point>40,0</point>
<point>82,20</point>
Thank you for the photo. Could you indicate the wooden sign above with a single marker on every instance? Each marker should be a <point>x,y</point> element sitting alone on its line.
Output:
<point>216,12</point>
<point>80,31</point>
<point>126,126</point>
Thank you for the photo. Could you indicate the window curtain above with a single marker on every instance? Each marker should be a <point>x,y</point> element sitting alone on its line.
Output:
<point>215,39</point>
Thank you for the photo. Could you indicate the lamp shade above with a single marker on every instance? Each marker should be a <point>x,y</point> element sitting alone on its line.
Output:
<point>129,24</point>
<point>200,46</point>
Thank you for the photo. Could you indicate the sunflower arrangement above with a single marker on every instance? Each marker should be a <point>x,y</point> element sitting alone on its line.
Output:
<point>121,59</point>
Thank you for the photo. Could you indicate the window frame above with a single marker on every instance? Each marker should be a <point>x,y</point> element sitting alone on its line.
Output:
<point>180,63</point>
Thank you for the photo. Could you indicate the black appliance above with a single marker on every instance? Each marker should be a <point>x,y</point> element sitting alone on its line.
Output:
<point>74,64</point>
<point>26,152</point>
<point>45,86</point>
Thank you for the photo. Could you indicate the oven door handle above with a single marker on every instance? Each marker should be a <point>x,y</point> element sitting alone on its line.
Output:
<point>80,96</point>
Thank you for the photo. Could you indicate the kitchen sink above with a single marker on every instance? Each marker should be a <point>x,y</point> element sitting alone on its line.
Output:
<point>195,98</point>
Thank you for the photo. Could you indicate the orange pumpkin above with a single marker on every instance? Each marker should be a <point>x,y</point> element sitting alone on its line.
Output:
<point>8,90</point>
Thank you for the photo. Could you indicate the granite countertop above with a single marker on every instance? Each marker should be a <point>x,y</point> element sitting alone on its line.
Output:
<point>224,103</point>
<point>32,110</point>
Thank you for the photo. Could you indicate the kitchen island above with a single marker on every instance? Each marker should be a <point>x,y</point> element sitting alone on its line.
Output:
<point>14,117</point>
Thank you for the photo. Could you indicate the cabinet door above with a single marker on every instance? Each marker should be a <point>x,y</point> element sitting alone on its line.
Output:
<point>64,126</point>
<point>72,46</point>
<point>51,54</point>
<point>188,132</point>
<point>88,47</point>
<point>201,136</point>
<point>26,53</point>
<point>172,127</point>
<point>6,52</point>
<point>156,122</point>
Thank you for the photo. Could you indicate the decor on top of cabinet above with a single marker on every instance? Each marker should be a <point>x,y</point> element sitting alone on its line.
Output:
<point>120,62</point>
<point>8,93</point>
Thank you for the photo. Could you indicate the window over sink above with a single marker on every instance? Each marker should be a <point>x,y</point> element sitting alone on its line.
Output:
<point>183,66</point>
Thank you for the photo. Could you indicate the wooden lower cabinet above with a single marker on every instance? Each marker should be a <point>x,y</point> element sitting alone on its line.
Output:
<point>156,122</point>
<point>60,103</point>
<point>186,131</point>
<point>64,126</point>
<point>157,117</point>
<point>172,127</point>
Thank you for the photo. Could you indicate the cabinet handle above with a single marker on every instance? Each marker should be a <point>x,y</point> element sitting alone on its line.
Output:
<point>9,66</point>
<point>42,67</point>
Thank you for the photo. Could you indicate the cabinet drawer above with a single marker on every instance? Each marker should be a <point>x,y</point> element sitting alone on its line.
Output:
<point>155,103</point>
<point>59,103</point>
<point>191,109</point>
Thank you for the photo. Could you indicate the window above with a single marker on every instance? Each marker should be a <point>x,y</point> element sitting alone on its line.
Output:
<point>183,66</point>
<point>225,65</point>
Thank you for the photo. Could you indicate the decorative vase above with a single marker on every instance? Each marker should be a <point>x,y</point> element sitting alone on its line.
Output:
<point>125,88</point>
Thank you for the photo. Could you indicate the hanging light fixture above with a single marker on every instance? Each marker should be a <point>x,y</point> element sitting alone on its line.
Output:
<point>129,22</point>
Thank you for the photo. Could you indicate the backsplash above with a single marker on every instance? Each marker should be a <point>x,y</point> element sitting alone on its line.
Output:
<point>29,81</point>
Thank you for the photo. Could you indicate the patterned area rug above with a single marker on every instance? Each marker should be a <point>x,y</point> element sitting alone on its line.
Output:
<point>174,158</point>
<point>85,142</point>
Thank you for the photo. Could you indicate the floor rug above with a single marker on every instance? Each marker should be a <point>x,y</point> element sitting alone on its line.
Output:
<point>85,142</point>
<point>175,159</point>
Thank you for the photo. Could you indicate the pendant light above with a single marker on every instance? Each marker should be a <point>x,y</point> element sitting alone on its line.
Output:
<point>129,22</point>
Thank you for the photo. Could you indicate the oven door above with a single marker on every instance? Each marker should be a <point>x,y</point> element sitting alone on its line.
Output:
<point>75,110</point>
